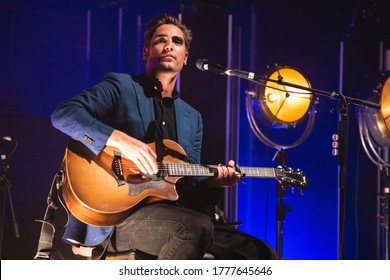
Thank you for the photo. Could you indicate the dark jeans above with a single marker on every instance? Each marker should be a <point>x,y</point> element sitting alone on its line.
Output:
<point>166,231</point>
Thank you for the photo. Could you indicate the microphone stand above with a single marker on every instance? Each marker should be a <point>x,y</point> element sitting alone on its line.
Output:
<point>5,182</point>
<point>281,160</point>
<point>344,101</point>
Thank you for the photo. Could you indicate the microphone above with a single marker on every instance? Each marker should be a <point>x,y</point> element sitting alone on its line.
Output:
<point>204,65</point>
<point>6,138</point>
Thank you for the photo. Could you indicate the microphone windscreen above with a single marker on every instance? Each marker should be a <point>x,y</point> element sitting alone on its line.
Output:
<point>200,63</point>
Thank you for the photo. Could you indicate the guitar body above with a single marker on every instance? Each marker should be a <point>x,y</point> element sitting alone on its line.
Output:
<point>96,197</point>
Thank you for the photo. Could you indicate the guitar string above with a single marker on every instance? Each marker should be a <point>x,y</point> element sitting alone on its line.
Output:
<point>190,167</point>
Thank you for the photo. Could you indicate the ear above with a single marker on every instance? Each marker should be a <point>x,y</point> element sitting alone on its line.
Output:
<point>145,53</point>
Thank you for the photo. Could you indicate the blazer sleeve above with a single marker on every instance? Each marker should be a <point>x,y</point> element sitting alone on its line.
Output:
<point>82,117</point>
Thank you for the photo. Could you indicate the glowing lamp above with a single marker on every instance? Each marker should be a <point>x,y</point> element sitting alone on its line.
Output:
<point>285,105</point>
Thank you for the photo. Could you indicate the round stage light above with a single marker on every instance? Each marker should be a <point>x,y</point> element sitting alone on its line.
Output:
<point>283,101</point>
<point>285,105</point>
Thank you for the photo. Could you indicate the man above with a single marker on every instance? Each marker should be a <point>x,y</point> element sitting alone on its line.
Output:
<point>128,112</point>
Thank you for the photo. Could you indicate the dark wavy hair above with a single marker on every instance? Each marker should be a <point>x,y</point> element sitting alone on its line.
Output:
<point>159,20</point>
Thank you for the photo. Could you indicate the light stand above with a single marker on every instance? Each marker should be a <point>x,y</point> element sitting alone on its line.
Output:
<point>281,160</point>
<point>384,197</point>
<point>6,185</point>
<point>342,164</point>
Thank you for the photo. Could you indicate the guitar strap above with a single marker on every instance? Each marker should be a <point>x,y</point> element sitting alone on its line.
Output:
<point>45,243</point>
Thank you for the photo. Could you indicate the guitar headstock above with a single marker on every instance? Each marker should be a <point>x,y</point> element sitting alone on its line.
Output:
<point>291,178</point>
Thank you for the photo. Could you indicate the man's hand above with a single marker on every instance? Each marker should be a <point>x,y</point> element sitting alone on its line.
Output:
<point>135,150</point>
<point>227,176</point>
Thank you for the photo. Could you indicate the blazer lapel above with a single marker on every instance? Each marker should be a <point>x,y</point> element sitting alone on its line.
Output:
<point>183,127</point>
<point>145,106</point>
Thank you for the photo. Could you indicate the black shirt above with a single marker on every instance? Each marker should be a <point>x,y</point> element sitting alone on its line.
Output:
<point>164,125</point>
<point>164,111</point>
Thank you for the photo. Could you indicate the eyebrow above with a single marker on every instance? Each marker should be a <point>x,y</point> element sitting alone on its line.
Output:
<point>161,35</point>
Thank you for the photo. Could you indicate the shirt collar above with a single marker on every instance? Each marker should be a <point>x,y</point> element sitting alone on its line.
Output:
<point>153,86</point>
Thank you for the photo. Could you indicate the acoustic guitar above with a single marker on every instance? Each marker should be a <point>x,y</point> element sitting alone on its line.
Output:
<point>102,190</point>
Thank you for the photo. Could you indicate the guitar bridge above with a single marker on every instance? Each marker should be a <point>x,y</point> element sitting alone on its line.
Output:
<point>117,168</point>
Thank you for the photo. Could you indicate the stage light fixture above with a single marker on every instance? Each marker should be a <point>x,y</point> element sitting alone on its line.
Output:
<point>374,124</point>
<point>285,105</point>
<point>278,105</point>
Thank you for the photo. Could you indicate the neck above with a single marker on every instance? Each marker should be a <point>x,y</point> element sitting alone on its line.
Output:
<point>167,81</point>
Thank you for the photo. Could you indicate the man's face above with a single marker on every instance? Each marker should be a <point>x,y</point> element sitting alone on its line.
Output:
<point>166,51</point>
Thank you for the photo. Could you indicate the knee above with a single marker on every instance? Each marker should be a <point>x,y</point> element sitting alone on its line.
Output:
<point>202,230</point>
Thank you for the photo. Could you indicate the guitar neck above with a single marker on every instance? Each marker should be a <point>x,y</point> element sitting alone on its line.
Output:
<point>178,169</point>
<point>257,172</point>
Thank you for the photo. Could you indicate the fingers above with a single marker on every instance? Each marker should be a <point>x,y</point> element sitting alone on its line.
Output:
<point>231,163</point>
<point>145,159</point>
<point>149,161</point>
<point>227,175</point>
<point>141,154</point>
<point>222,171</point>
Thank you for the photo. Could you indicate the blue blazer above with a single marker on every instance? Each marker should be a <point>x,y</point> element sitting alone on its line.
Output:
<point>118,102</point>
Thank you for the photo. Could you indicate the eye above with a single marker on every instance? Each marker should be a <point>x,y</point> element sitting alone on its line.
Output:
<point>160,40</point>
<point>178,40</point>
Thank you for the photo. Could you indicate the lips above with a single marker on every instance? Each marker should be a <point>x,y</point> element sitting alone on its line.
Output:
<point>168,57</point>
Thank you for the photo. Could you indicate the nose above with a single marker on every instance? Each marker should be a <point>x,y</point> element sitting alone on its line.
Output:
<point>168,46</point>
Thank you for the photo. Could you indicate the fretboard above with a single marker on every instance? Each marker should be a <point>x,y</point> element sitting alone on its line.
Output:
<point>183,169</point>
<point>258,172</point>
<point>180,169</point>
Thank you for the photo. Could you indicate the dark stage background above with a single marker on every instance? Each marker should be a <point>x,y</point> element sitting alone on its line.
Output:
<point>51,50</point>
